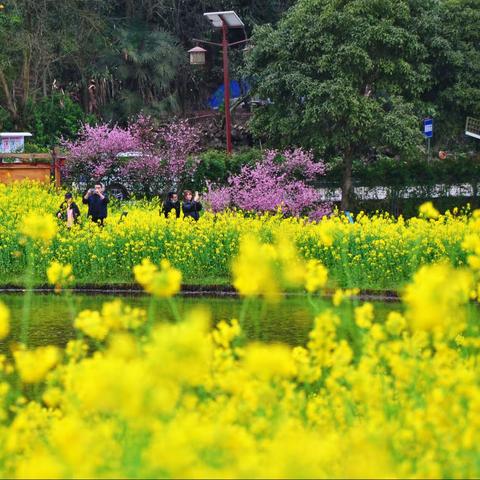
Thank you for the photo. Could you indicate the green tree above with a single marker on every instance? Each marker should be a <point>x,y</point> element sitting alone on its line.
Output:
<point>185,21</point>
<point>42,43</point>
<point>113,57</point>
<point>54,117</point>
<point>343,77</point>
<point>144,62</point>
<point>455,58</point>
<point>14,62</point>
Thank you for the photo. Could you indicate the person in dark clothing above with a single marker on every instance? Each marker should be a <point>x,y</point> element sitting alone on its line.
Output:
<point>97,204</point>
<point>172,203</point>
<point>69,211</point>
<point>191,206</point>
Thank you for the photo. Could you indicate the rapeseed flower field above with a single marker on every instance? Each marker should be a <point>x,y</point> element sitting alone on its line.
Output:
<point>133,396</point>
<point>379,251</point>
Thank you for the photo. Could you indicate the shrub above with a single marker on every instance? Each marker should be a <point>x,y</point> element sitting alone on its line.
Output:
<point>216,166</point>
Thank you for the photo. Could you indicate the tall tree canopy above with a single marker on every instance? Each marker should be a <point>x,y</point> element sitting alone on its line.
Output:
<point>455,58</point>
<point>344,76</point>
<point>45,46</point>
<point>113,57</point>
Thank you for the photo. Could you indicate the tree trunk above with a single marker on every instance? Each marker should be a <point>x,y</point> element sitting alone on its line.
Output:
<point>12,108</point>
<point>129,8</point>
<point>347,181</point>
<point>44,83</point>
<point>26,77</point>
<point>84,95</point>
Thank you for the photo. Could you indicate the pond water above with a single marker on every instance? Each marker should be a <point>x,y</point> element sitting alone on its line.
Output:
<point>288,321</point>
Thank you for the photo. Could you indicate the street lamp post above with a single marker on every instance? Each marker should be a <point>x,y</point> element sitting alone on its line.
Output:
<point>226,87</point>
<point>225,21</point>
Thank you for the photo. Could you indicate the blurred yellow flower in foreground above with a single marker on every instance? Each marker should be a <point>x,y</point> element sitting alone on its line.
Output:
<point>33,365</point>
<point>4,321</point>
<point>254,272</point>
<point>91,324</point>
<point>38,227</point>
<point>144,272</point>
<point>428,210</point>
<point>436,298</point>
<point>341,295</point>
<point>316,276</point>
<point>364,315</point>
<point>263,269</point>
<point>163,283</point>
<point>396,323</point>
<point>269,361</point>
<point>59,275</point>
<point>114,317</point>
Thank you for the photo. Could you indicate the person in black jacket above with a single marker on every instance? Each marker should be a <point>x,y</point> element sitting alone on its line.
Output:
<point>191,206</point>
<point>69,211</point>
<point>97,204</point>
<point>172,203</point>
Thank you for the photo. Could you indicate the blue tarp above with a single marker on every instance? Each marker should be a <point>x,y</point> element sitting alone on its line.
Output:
<point>237,89</point>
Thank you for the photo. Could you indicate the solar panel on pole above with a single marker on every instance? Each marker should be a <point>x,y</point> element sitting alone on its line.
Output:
<point>230,18</point>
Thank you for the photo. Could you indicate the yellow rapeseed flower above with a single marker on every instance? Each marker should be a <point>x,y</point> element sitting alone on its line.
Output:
<point>76,349</point>
<point>4,321</point>
<point>340,295</point>
<point>269,361</point>
<point>162,283</point>
<point>33,365</point>
<point>254,270</point>
<point>59,275</point>
<point>364,315</point>
<point>428,210</point>
<point>225,332</point>
<point>52,397</point>
<point>118,316</point>
<point>395,323</point>
<point>316,276</point>
<point>92,324</point>
<point>436,297</point>
<point>38,227</point>
<point>144,272</point>
<point>166,282</point>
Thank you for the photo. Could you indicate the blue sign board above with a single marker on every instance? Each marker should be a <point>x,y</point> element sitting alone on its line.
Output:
<point>428,127</point>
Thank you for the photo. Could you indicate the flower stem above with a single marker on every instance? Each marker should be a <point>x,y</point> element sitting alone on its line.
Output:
<point>27,298</point>
<point>173,307</point>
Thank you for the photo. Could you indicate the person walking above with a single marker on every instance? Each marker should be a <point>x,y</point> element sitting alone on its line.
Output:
<point>97,202</point>
<point>172,203</point>
<point>69,211</point>
<point>191,205</point>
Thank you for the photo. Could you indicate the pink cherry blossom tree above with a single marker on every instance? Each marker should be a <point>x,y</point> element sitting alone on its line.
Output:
<point>97,148</point>
<point>146,158</point>
<point>279,181</point>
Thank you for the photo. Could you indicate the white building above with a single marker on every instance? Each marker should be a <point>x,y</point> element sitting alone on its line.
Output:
<point>13,142</point>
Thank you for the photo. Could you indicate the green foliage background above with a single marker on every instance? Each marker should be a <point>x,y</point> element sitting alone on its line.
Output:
<point>351,79</point>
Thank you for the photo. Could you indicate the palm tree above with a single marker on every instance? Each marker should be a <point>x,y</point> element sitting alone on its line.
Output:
<point>145,64</point>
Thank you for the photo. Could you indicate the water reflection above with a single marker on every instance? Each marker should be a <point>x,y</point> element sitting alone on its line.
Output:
<point>289,321</point>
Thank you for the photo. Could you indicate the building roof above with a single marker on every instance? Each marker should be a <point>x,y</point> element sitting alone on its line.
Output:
<point>15,134</point>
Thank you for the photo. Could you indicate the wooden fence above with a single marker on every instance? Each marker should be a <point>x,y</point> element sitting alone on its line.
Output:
<point>41,167</point>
